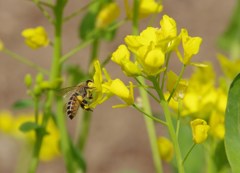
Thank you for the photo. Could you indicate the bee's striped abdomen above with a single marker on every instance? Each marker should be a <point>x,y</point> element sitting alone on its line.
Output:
<point>72,106</point>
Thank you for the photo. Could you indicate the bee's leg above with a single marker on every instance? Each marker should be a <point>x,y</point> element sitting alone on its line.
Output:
<point>85,106</point>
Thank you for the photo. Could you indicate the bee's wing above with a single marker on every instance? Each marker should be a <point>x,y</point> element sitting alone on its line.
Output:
<point>66,91</point>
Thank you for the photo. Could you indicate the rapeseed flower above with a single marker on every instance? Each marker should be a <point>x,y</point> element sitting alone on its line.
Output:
<point>166,149</point>
<point>150,48</point>
<point>10,125</point>
<point>35,37</point>
<point>146,8</point>
<point>107,15</point>
<point>199,130</point>
<point>104,89</point>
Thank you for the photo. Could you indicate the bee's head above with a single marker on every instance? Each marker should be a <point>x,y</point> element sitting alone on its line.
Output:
<point>89,83</point>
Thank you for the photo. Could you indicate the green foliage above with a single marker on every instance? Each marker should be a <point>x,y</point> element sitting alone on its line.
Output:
<point>29,126</point>
<point>232,125</point>
<point>23,104</point>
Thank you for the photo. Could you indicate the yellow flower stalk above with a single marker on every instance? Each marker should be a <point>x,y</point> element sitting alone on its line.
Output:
<point>199,130</point>
<point>166,149</point>
<point>35,37</point>
<point>107,15</point>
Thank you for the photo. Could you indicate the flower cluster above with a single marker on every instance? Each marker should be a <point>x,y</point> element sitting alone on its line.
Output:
<point>152,46</point>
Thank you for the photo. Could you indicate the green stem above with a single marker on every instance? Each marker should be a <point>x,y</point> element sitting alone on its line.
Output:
<point>150,128</point>
<point>176,84</point>
<point>146,105</point>
<point>25,61</point>
<point>170,126</point>
<point>165,72</point>
<point>85,126</point>
<point>94,52</point>
<point>75,50</point>
<point>44,12</point>
<point>173,136</point>
<point>189,151</point>
<point>150,116</point>
<point>55,73</point>
<point>178,117</point>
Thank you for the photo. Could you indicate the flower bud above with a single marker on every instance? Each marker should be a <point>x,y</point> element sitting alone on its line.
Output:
<point>165,148</point>
<point>28,80</point>
<point>199,130</point>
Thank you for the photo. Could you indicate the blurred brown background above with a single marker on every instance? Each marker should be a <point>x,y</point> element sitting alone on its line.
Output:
<point>118,140</point>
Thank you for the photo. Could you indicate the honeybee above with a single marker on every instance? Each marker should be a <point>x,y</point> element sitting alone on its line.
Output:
<point>79,95</point>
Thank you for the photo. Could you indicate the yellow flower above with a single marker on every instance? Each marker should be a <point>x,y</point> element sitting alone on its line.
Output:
<point>165,148</point>
<point>146,8</point>
<point>6,122</point>
<point>229,67</point>
<point>118,88</point>
<point>1,45</point>
<point>191,46</point>
<point>199,130</point>
<point>103,90</point>
<point>107,15</point>
<point>35,37</point>
<point>122,57</point>
<point>10,125</point>
<point>216,123</point>
<point>180,90</point>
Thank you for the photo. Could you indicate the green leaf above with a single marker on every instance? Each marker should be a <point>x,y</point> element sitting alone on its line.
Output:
<point>232,125</point>
<point>22,104</point>
<point>220,158</point>
<point>28,126</point>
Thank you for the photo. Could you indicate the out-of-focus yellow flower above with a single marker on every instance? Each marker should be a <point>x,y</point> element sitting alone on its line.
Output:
<point>165,148</point>
<point>199,130</point>
<point>1,45</point>
<point>6,122</point>
<point>182,86</point>
<point>35,37</point>
<point>216,123</point>
<point>229,67</point>
<point>107,15</point>
<point>10,125</point>
<point>146,8</point>
<point>191,46</point>
<point>104,89</point>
